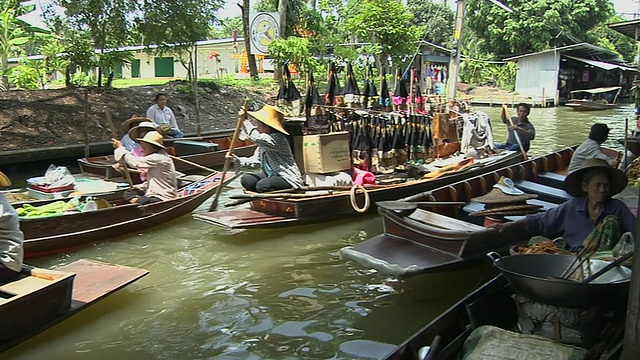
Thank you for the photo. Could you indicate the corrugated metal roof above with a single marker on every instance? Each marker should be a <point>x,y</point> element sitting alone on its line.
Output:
<point>627,28</point>
<point>581,50</point>
<point>602,65</point>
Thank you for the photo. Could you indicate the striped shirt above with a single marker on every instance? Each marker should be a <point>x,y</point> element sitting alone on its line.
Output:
<point>274,155</point>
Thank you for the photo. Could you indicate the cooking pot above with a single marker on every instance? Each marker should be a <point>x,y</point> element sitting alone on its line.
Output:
<point>536,276</point>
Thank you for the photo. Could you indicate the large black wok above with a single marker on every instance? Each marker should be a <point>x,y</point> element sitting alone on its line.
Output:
<point>532,275</point>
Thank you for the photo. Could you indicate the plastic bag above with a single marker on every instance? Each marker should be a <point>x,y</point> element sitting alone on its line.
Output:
<point>624,245</point>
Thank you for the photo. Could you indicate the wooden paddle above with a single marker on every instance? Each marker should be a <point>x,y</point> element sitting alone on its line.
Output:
<point>229,156</point>
<point>412,205</point>
<point>515,132</point>
<point>114,134</point>
<point>193,164</point>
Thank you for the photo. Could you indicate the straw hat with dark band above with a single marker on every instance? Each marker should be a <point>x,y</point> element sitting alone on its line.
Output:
<point>134,133</point>
<point>271,116</point>
<point>504,192</point>
<point>573,181</point>
<point>4,180</point>
<point>154,138</point>
<point>129,124</point>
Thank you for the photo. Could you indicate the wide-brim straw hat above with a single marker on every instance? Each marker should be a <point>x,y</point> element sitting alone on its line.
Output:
<point>4,180</point>
<point>504,192</point>
<point>271,116</point>
<point>154,138</point>
<point>522,209</point>
<point>134,133</point>
<point>134,121</point>
<point>573,181</point>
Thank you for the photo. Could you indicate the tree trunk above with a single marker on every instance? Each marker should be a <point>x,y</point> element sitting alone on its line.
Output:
<point>195,89</point>
<point>5,80</point>
<point>99,76</point>
<point>67,76</point>
<point>282,12</point>
<point>251,59</point>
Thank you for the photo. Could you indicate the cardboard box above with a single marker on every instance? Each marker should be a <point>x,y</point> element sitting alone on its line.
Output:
<point>325,153</point>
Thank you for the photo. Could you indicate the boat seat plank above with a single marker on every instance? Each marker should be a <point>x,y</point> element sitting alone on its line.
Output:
<point>397,256</point>
<point>95,280</point>
<point>551,179</point>
<point>24,285</point>
<point>545,193</point>
<point>443,221</point>
<point>241,218</point>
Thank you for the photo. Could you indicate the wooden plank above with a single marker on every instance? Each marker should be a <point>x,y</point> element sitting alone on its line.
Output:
<point>242,218</point>
<point>95,280</point>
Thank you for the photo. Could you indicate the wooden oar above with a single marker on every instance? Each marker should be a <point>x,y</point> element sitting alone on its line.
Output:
<point>114,134</point>
<point>412,205</point>
<point>515,132</point>
<point>193,164</point>
<point>229,156</point>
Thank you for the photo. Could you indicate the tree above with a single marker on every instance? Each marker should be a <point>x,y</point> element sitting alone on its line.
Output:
<point>251,59</point>
<point>534,25</point>
<point>107,22</point>
<point>293,50</point>
<point>227,26</point>
<point>435,18</point>
<point>12,35</point>
<point>385,25</point>
<point>607,38</point>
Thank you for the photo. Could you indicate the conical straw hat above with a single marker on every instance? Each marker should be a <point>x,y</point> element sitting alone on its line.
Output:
<point>154,138</point>
<point>271,116</point>
<point>4,180</point>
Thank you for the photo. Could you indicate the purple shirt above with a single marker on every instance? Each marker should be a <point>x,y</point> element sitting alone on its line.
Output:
<point>572,219</point>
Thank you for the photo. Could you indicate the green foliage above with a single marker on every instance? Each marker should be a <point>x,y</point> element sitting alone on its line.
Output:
<point>534,25</point>
<point>224,30</point>
<point>24,76</point>
<point>82,79</point>
<point>437,20</point>
<point>607,38</point>
<point>385,24</point>
<point>479,68</point>
<point>294,51</point>
<point>12,37</point>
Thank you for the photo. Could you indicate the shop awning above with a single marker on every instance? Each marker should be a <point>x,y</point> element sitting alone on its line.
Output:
<point>602,65</point>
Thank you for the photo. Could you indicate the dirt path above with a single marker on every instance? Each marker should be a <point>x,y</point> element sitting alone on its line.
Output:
<point>43,118</point>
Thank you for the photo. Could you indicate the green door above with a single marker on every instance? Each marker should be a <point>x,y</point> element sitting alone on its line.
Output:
<point>135,68</point>
<point>117,70</point>
<point>164,67</point>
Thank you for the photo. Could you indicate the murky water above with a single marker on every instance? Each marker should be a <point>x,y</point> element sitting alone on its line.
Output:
<point>273,294</point>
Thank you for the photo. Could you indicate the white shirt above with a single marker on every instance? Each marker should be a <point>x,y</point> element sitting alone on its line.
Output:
<point>11,238</point>
<point>589,149</point>
<point>162,116</point>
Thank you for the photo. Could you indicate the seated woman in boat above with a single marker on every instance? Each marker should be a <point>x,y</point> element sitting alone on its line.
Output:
<point>274,155</point>
<point>161,183</point>
<point>591,148</point>
<point>522,128</point>
<point>11,239</point>
<point>592,219</point>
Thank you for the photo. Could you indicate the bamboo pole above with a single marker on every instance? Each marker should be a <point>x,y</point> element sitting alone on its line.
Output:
<point>631,343</point>
<point>86,123</point>
<point>626,142</point>
<point>193,164</point>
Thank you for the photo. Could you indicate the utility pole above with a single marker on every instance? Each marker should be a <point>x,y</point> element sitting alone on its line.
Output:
<point>454,63</point>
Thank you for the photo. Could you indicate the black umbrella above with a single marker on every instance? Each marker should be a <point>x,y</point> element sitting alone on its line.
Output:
<point>333,86</point>
<point>362,144</point>
<point>314,114</point>
<point>288,99</point>
<point>370,91</point>
<point>400,94</point>
<point>351,90</point>
<point>385,98</point>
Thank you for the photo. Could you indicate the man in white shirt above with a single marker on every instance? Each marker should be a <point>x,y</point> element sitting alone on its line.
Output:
<point>11,239</point>
<point>163,117</point>
<point>591,148</point>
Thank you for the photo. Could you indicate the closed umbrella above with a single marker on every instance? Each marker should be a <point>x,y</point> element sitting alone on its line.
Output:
<point>314,113</point>
<point>400,94</point>
<point>288,99</point>
<point>385,99</point>
<point>351,90</point>
<point>370,91</point>
<point>333,86</point>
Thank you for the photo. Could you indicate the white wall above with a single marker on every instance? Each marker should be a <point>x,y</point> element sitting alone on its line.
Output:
<point>536,73</point>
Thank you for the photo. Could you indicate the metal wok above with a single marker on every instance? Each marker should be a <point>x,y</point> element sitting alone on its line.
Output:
<point>536,276</point>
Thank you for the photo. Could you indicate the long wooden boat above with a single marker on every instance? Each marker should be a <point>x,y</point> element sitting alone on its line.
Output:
<point>40,298</point>
<point>491,304</point>
<point>276,212</point>
<point>597,102</point>
<point>102,165</point>
<point>52,234</point>
<point>442,237</point>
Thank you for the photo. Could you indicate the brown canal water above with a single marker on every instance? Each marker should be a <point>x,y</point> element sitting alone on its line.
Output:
<point>269,294</point>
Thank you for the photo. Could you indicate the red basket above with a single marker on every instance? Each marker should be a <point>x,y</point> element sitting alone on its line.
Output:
<point>52,190</point>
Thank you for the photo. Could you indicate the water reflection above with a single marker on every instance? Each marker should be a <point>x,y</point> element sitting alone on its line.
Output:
<point>283,294</point>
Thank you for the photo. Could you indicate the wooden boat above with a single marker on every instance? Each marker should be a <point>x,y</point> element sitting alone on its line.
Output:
<point>40,298</point>
<point>102,165</point>
<point>57,233</point>
<point>597,100</point>
<point>272,211</point>
<point>491,304</point>
<point>420,240</point>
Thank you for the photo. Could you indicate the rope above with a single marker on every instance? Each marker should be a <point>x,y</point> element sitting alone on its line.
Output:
<point>352,198</point>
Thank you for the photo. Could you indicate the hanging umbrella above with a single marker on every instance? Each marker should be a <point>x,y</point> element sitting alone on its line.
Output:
<point>288,99</point>
<point>385,99</point>
<point>333,86</point>
<point>314,114</point>
<point>351,90</point>
<point>418,99</point>
<point>362,144</point>
<point>400,94</point>
<point>370,91</point>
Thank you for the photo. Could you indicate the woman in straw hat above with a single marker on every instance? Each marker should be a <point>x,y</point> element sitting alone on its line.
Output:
<point>11,239</point>
<point>592,219</point>
<point>161,181</point>
<point>279,168</point>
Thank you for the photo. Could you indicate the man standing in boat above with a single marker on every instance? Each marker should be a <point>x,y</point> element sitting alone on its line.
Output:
<point>161,181</point>
<point>591,148</point>
<point>518,126</point>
